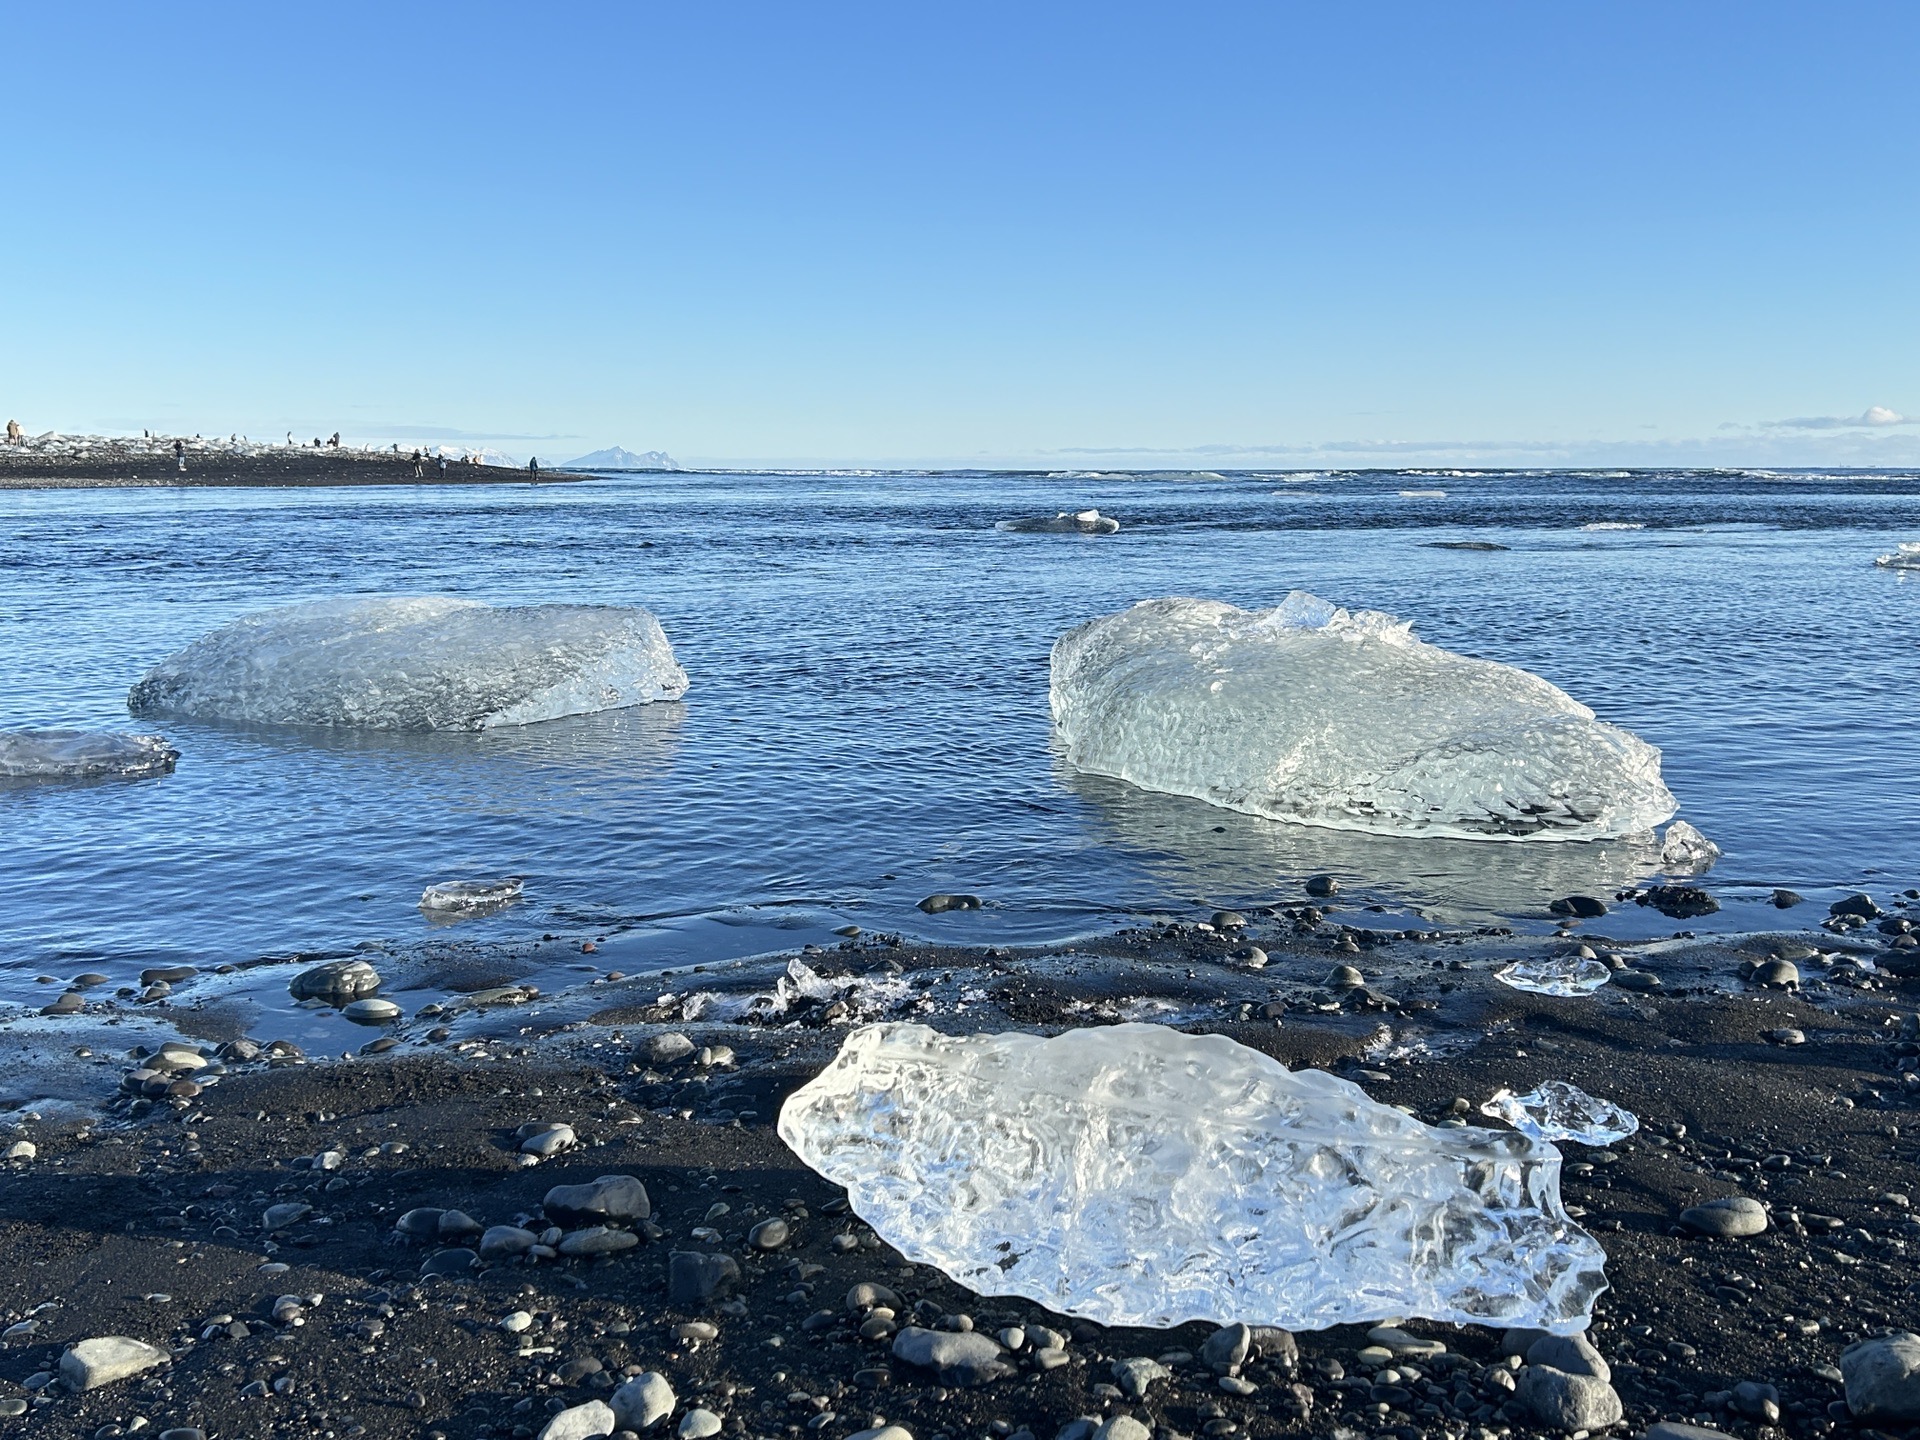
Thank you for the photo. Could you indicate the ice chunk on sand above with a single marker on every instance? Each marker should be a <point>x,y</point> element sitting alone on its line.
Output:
<point>1685,851</point>
<point>467,896</point>
<point>1138,1176</point>
<point>1559,1111</point>
<point>1309,713</point>
<point>1078,522</point>
<point>1559,975</point>
<point>417,663</point>
<point>82,755</point>
<point>1906,557</point>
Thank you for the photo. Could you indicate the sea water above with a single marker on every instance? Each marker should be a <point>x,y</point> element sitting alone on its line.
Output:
<point>868,723</point>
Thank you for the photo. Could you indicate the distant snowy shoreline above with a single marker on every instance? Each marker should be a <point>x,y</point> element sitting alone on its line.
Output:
<point>56,461</point>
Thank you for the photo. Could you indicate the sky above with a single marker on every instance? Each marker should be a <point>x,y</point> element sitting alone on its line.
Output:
<point>1056,235</point>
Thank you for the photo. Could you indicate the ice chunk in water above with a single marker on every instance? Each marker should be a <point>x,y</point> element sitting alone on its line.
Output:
<point>1906,557</point>
<point>82,755</point>
<point>1560,975</point>
<point>458,896</point>
<point>1685,851</point>
<point>1079,522</point>
<point>1559,1111</point>
<point>417,663</point>
<point>1138,1176</point>
<point>1310,713</point>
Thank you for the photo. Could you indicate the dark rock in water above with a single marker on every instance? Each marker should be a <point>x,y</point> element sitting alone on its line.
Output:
<point>1678,902</point>
<point>1895,925</point>
<point>957,1357</point>
<point>1583,907</point>
<point>451,1264</point>
<point>67,1004</point>
<point>1464,545</point>
<point>1782,900</point>
<point>1883,1377</point>
<point>171,974</point>
<point>1861,905</point>
<point>1344,977</point>
<point>615,1198</point>
<point>336,982</point>
<point>1567,1402</point>
<point>1321,886</point>
<point>1229,920</point>
<point>693,1277</point>
<point>1734,1217</point>
<point>940,904</point>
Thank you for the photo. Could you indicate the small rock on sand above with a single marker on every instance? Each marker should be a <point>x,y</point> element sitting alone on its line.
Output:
<point>1883,1377</point>
<point>107,1358</point>
<point>643,1401</point>
<point>1732,1217</point>
<point>1573,1354</point>
<point>337,982</point>
<point>958,1357</point>
<point>699,1424</point>
<point>1674,1430</point>
<point>1567,1402</point>
<point>694,1277</point>
<point>578,1422</point>
<point>610,1197</point>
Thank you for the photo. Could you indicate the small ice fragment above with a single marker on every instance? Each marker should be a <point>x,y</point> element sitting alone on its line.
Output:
<point>1559,1111</point>
<point>82,755</point>
<point>1906,557</point>
<point>1423,494</point>
<point>1559,975</point>
<point>471,895</point>
<point>1317,715</point>
<point>1078,522</point>
<point>1135,1175</point>
<point>420,662</point>
<point>1615,525</point>
<point>1685,851</point>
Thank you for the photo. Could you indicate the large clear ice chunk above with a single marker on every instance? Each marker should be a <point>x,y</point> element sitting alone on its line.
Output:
<point>1563,975</point>
<point>1310,713</point>
<point>1558,1110</point>
<point>82,755</point>
<point>1135,1175</point>
<point>417,663</point>
<point>1685,851</point>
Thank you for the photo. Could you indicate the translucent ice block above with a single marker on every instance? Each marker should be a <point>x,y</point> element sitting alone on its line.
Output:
<point>1310,713</point>
<point>417,663</point>
<point>1558,975</point>
<point>1135,1175</point>
<point>82,755</point>
<point>1559,1111</point>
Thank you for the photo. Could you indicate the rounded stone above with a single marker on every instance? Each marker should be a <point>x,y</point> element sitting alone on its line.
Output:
<point>1733,1217</point>
<point>371,1012</point>
<point>769,1234</point>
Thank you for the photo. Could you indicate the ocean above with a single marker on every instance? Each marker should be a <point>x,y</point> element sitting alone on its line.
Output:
<point>868,718</point>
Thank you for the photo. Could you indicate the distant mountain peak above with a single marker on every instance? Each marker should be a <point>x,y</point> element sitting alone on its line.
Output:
<point>619,458</point>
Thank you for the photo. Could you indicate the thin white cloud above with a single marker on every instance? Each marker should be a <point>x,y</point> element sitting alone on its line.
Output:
<point>1873,418</point>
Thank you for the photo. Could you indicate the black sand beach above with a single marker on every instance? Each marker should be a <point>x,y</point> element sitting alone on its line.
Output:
<point>153,1222</point>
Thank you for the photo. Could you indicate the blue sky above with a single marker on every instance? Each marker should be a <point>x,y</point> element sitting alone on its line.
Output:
<point>1060,235</point>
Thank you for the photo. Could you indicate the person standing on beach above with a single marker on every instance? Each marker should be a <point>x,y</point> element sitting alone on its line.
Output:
<point>418,469</point>
<point>533,466</point>
<point>443,465</point>
<point>180,455</point>
<point>15,435</point>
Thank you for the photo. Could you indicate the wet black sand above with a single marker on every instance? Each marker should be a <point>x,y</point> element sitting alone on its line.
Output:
<point>165,1198</point>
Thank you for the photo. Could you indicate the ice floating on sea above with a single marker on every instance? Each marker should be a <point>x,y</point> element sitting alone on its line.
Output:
<point>1560,975</point>
<point>1135,1175</point>
<point>466,896</point>
<point>1906,557</point>
<point>1615,525</point>
<point>1685,851</point>
<point>1559,1111</point>
<point>82,755</point>
<point>417,663</point>
<point>1310,713</point>
<point>1079,522</point>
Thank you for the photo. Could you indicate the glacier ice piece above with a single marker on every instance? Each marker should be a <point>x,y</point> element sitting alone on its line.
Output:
<point>1310,713</point>
<point>1560,1111</point>
<point>1906,557</point>
<point>416,663</point>
<point>1076,522</point>
<point>1135,1175</point>
<point>82,755</point>
<point>1685,851</point>
<point>466,896</point>
<point>1556,975</point>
